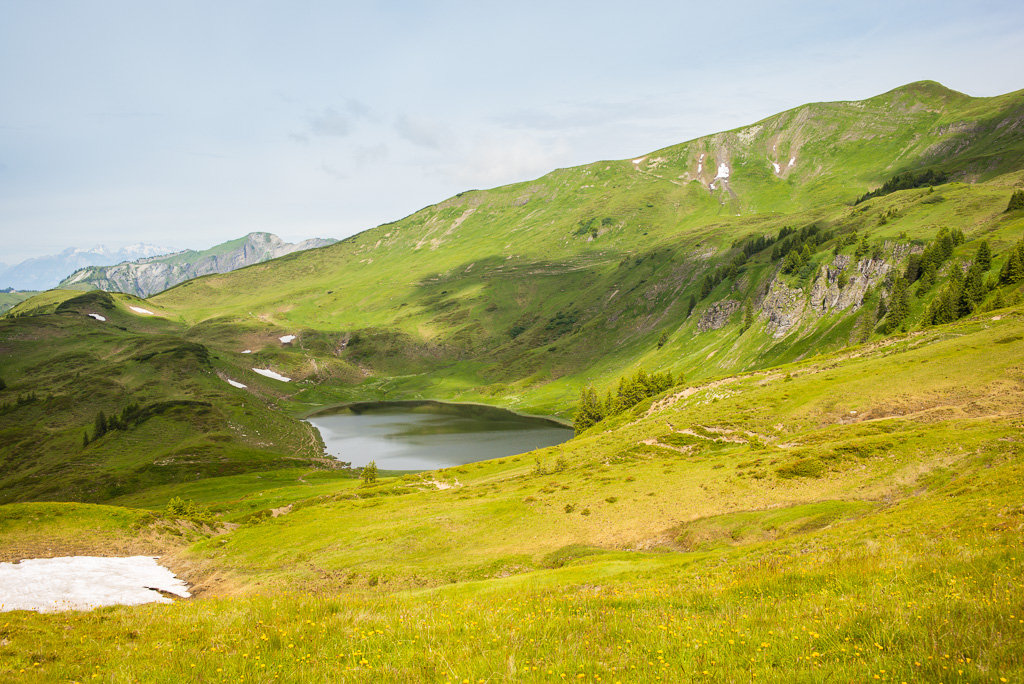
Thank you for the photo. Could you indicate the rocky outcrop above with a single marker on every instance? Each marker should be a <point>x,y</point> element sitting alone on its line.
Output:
<point>717,315</point>
<point>837,288</point>
<point>146,277</point>
<point>782,308</point>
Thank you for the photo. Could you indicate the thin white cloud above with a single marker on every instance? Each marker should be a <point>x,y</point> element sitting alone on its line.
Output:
<point>423,133</point>
<point>330,123</point>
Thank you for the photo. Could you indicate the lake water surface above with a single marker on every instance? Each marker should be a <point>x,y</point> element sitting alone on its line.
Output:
<point>429,435</point>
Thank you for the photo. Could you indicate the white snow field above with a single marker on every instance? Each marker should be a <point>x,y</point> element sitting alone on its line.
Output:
<point>266,372</point>
<point>235,383</point>
<point>287,338</point>
<point>47,585</point>
<point>98,317</point>
<point>139,309</point>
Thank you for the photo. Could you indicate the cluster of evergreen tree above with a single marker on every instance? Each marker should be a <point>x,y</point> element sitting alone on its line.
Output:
<point>1013,268</point>
<point>760,243</point>
<point>1016,201</point>
<point>923,268</point>
<point>796,248</point>
<point>897,308</point>
<point>907,181</point>
<point>22,400</point>
<point>102,424</point>
<point>631,391</point>
<point>964,291</point>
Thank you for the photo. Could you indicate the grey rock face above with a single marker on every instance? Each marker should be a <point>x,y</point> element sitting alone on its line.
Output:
<point>782,308</point>
<point>837,287</point>
<point>827,295</point>
<point>717,315</point>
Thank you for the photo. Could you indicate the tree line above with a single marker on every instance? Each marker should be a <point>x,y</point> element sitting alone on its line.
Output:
<point>631,391</point>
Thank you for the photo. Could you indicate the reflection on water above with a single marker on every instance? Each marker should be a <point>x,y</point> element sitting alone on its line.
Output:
<point>428,435</point>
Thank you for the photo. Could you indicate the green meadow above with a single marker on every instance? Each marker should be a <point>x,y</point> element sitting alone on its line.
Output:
<point>829,490</point>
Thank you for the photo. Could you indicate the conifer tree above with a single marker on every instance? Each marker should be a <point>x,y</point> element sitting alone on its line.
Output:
<point>590,410</point>
<point>791,263</point>
<point>927,279</point>
<point>862,248</point>
<point>748,318</point>
<point>706,286</point>
<point>1016,201</point>
<point>1013,269</point>
<point>100,426</point>
<point>899,305</point>
<point>370,472</point>
<point>913,270</point>
<point>972,292</point>
<point>689,306</point>
<point>984,256</point>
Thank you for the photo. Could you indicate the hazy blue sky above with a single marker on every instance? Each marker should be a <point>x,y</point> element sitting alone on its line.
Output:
<point>189,123</point>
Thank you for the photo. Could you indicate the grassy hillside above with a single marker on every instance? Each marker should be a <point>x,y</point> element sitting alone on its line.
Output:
<point>520,294</point>
<point>524,294</point>
<point>837,519</point>
<point>8,300</point>
<point>173,415</point>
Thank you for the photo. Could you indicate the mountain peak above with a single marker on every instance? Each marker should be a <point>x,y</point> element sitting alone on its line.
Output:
<point>924,91</point>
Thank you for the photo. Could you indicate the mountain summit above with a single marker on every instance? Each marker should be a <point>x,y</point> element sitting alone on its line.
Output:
<point>147,276</point>
<point>42,273</point>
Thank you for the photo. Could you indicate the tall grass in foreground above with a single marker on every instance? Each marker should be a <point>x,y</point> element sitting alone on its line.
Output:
<point>937,603</point>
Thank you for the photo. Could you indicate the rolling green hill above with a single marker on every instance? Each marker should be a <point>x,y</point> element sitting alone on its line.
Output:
<point>829,490</point>
<point>9,300</point>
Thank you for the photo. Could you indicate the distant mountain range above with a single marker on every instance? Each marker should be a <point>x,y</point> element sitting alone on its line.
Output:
<point>146,276</point>
<point>43,273</point>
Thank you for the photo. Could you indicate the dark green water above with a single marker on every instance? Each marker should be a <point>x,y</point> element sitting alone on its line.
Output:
<point>429,435</point>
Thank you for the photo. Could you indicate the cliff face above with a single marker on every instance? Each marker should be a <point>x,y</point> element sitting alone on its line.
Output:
<point>146,277</point>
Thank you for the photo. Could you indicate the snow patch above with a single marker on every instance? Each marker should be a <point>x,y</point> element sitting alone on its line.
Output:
<point>287,338</point>
<point>792,161</point>
<point>723,171</point>
<point>139,309</point>
<point>84,582</point>
<point>247,351</point>
<point>266,372</point>
<point>637,161</point>
<point>236,384</point>
<point>777,168</point>
<point>98,317</point>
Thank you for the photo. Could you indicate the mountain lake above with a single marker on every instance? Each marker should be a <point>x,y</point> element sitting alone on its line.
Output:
<point>425,435</point>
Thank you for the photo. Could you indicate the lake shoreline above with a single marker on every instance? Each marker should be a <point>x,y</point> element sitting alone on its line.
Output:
<point>372,404</point>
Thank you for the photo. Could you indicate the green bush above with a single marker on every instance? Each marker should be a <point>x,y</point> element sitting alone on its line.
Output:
<point>805,467</point>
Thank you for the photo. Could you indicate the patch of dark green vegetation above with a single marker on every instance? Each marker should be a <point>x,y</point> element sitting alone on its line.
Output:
<point>907,181</point>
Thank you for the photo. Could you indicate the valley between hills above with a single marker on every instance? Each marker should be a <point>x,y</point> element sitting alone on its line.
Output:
<point>828,488</point>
